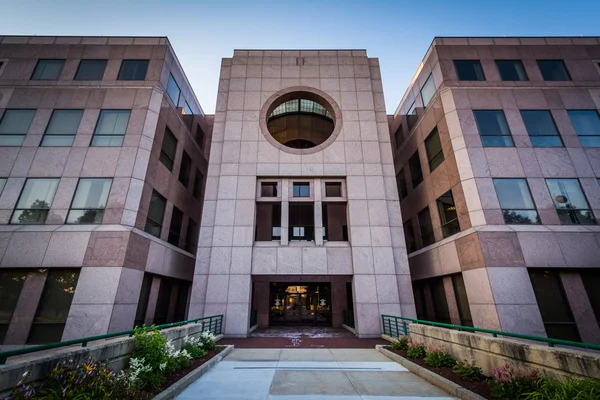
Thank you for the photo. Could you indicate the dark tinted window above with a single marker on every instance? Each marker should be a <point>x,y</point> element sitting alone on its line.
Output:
<point>301,189</point>
<point>591,282</point>
<point>433,147</point>
<point>185,169</point>
<point>541,128</point>
<point>198,182</point>
<point>333,189</point>
<point>511,70</point>
<point>53,307</point>
<point>200,136</point>
<point>469,70</point>
<point>190,236</point>
<point>409,236</point>
<point>460,292</point>
<point>14,125</point>
<point>62,128</point>
<point>401,183</point>
<point>448,215</point>
<point>48,70</point>
<point>554,70</point>
<point>175,227</point>
<point>11,283</point>
<point>426,227</point>
<point>268,189</point>
<point>553,304</point>
<point>142,307</point>
<point>335,225</point>
<point>302,221</point>
<point>89,201</point>
<point>439,300</point>
<point>133,70</point>
<point>493,128</point>
<point>156,212</point>
<point>398,137</point>
<point>268,221</point>
<point>416,175</point>
<point>168,149</point>
<point>173,90</point>
<point>516,202</point>
<point>90,70</point>
<point>570,202</point>
<point>587,126</point>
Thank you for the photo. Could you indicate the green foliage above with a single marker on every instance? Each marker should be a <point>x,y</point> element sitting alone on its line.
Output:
<point>513,383</point>
<point>208,340</point>
<point>151,346</point>
<point>401,343</point>
<point>415,350</point>
<point>436,357</point>
<point>90,380</point>
<point>468,371</point>
<point>569,389</point>
<point>194,351</point>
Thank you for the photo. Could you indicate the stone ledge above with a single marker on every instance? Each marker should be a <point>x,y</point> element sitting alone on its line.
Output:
<point>179,386</point>
<point>452,388</point>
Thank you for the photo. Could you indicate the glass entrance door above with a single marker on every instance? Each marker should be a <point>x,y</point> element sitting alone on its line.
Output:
<point>296,305</point>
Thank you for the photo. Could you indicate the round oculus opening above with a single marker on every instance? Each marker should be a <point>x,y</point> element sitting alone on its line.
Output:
<point>300,120</point>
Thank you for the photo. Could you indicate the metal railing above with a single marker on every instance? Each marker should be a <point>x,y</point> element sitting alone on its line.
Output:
<point>349,318</point>
<point>213,324</point>
<point>397,326</point>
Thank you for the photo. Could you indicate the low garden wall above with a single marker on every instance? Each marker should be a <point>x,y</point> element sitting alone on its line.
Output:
<point>116,352</point>
<point>490,352</point>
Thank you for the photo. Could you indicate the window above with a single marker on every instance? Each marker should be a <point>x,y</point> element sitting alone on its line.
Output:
<point>541,128</point>
<point>554,70</point>
<point>448,215</point>
<point>14,125</point>
<point>156,212</point>
<point>62,128</point>
<point>175,228</point>
<point>516,202</point>
<point>591,282</point>
<point>111,128</point>
<point>412,110</point>
<point>198,182</point>
<point>462,301</point>
<point>570,202</point>
<point>186,108</point>
<point>511,70</point>
<point>168,149</point>
<point>302,221</point>
<point>142,307</point>
<point>173,90</point>
<point>2,183</point>
<point>89,201</point>
<point>398,137</point>
<point>553,304</point>
<point>409,236</point>
<point>426,228</point>
<point>133,70</point>
<point>190,236</point>
<point>439,300</point>
<point>493,128</point>
<point>185,169</point>
<point>469,70</point>
<point>333,189</point>
<point>34,202</point>
<point>54,305</point>
<point>433,147</point>
<point>335,225</point>
<point>268,221</point>
<point>48,70</point>
<point>401,183</point>
<point>90,70</point>
<point>428,90</point>
<point>416,175</point>
<point>11,283</point>
<point>200,136</point>
<point>587,126</point>
<point>268,189</point>
<point>301,189</point>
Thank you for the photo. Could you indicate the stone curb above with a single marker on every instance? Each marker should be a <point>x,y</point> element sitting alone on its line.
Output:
<point>452,388</point>
<point>187,380</point>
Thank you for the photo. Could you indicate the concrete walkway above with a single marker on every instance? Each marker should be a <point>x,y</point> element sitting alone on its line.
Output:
<point>310,374</point>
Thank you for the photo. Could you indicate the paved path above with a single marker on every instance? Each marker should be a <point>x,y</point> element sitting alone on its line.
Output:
<point>310,374</point>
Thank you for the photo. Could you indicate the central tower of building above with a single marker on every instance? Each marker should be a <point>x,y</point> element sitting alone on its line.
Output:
<point>301,222</point>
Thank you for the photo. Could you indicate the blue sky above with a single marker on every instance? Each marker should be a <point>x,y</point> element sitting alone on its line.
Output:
<point>398,32</point>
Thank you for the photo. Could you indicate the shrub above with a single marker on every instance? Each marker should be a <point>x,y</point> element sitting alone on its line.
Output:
<point>208,340</point>
<point>513,383</point>
<point>415,350</point>
<point>401,343</point>
<point>569,389</point>
<point>194,347</point>
<point>177,360</point>
<point>437,357</point>
<point>468,371</point>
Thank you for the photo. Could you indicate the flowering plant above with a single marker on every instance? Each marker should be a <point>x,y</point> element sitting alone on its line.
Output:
<point>513,382</point>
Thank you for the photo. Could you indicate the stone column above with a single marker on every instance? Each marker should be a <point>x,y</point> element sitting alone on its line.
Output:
<point>25,310</point>
<point>481,299</point>
<point>285,213</point>
<point>318,208</point>
<point>451,300</point>
<point>152,300</point>
<point>580,306</point>
<point>126,301</point>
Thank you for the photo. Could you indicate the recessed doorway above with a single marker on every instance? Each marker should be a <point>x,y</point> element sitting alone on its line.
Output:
<point>302,304</point>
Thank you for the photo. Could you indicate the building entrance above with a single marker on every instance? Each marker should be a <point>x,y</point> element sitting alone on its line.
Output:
<point>300,304</point>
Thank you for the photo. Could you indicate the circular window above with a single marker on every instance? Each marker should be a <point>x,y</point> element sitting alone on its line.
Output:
<point>300,121</point>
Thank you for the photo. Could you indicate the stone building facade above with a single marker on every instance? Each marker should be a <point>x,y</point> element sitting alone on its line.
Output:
<point>497,159</point>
